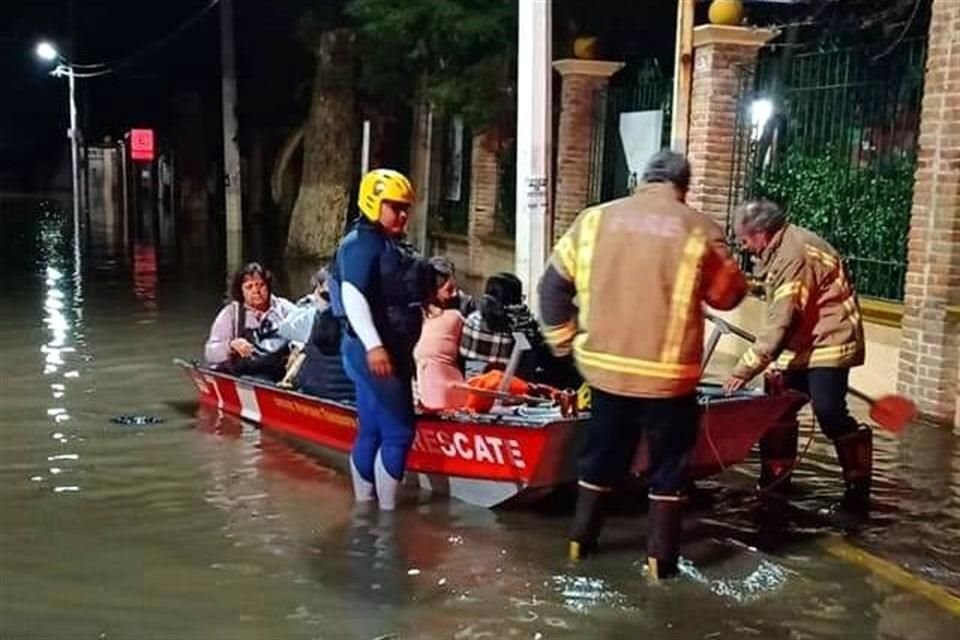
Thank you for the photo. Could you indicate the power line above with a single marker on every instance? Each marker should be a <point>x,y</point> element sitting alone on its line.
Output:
<point>104,68</point>
<point>854,22</point>
<point>906,28</point>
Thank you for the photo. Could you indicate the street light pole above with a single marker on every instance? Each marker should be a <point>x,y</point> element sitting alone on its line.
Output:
<point>231,146</point>
<point>74,152</point>
<point>48,53</point>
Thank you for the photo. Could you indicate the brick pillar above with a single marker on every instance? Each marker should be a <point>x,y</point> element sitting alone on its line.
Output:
<point>581,82</point>
<point>721,55</point>
<point>930,342</point>
<point>484,181</point>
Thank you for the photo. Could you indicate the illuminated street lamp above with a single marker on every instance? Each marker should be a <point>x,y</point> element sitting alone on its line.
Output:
<point>47,52</point>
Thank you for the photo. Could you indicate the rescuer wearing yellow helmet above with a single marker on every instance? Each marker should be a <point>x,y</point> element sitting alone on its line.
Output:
<point>377,291</point>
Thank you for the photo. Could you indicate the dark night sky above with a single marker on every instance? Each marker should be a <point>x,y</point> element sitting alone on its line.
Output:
<point>274,68</point>
<point>33,111</point>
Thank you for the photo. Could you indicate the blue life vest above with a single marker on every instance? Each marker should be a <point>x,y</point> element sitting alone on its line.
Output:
<point>396,292</point>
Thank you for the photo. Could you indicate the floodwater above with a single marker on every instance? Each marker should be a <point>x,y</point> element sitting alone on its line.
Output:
<point>202,527</point>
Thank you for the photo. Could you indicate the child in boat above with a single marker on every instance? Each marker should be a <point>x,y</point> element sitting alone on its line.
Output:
<point>436,354</point>
<point>487,340</point>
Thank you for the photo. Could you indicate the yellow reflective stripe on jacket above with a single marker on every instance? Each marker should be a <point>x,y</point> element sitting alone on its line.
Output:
<point>750,358</point>
<point>586,241</point>
<point>559,335</point>
<point>682,294</point>
<point>790,289</point>
<point>635,366</point>
<point>821,355</point>
<point>566,254</point>
<point>850,306</point>
<point>822,257</point>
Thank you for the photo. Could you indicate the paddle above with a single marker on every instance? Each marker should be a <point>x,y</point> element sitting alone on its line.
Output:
<point>892,412</point>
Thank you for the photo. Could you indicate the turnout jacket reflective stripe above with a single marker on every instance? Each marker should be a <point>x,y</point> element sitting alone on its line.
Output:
<point>813,314</point>
<point>624,291</point>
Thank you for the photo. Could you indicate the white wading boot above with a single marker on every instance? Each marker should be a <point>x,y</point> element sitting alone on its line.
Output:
<point>387,485</point>
<point>362,489</point>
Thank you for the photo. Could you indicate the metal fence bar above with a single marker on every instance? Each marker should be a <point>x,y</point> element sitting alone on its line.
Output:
<point>638,87</point>
<point>843,164</point>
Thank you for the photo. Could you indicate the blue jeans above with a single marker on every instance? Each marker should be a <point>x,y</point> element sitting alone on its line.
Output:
<point>385,412</point>
<point>827,388</point>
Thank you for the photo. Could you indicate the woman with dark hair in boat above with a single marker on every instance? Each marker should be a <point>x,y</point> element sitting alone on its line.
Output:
<point>252,310</point>
<point>437,352</point>
<point>377,289</point>
<point>449,295</point>
<point>488,337</point>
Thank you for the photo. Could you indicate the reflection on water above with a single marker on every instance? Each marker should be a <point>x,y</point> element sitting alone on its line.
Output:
<point>145,274</point>
<point>64,351</point>
<point>203,527</point>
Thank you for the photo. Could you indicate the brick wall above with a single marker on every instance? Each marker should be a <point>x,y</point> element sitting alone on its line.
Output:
<point>574,141</point>
<point>582,81</point>
<point>484,179</point>
<point>718,68</point>
<point>930,343</point>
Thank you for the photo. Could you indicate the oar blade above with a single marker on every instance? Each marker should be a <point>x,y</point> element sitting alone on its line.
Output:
<point>893,412</point>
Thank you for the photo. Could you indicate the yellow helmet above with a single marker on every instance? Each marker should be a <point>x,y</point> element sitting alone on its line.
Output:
<point>383,184</point>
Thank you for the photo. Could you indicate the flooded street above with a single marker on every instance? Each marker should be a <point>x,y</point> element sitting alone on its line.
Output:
<point>202,527</point>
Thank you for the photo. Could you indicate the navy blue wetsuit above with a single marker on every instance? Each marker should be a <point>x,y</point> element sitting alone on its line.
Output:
<point>390,279</point>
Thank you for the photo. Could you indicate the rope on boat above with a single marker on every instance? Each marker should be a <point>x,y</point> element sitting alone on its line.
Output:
<point>773,485</point>
<point>128,420</point>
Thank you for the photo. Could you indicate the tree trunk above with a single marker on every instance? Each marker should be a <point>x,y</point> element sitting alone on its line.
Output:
<point>279,177</point>
<point>329,151</point>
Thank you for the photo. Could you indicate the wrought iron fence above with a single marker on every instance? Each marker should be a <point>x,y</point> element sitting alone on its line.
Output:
<point>832,136</point>
<point>639,87</point>
<point>506,212</point>
<point>453,206</point>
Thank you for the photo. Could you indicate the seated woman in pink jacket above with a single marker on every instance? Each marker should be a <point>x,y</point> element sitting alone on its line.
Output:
<point>437,352</point>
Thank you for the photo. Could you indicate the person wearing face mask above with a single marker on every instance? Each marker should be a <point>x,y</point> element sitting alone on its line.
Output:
<point>377,289</point>
<point>449,295</point>
<point>252,311</point>
<point>439,375</point>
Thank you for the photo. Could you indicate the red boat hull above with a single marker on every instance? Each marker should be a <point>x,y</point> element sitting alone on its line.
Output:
<point>483,460</point>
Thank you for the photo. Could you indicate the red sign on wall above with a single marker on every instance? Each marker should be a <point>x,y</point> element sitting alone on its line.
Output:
<point>141,144</point>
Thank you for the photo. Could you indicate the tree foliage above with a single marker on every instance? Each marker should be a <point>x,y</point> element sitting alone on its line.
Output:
<point>460,54</point>
<point>862,210</point>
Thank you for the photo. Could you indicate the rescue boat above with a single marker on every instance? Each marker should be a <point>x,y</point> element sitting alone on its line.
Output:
<point>513,454</point>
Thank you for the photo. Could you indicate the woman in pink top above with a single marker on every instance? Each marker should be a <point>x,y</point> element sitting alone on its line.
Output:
<point>437,352</point>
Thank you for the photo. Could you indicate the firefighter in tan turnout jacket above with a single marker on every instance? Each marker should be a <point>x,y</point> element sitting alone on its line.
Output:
<point>814,335</point>
<point>624,290</point>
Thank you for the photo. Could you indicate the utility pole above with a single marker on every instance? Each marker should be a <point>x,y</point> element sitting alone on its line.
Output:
<point>534,141</point>
<point>74,151</point>
<point>231,146</point>
<point>682,77</point>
